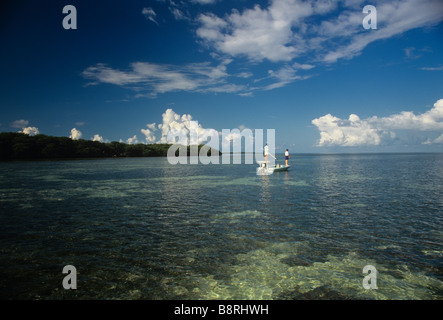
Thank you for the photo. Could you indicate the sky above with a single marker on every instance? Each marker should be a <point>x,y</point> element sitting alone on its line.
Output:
<point>327,76</point>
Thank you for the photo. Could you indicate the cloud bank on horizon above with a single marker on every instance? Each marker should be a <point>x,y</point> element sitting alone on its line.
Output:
<point>334,131</point>
<point>373,131</point>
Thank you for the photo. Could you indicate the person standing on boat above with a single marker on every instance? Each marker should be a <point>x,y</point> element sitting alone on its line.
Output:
<point>286,157</point>
<point>266,152</point>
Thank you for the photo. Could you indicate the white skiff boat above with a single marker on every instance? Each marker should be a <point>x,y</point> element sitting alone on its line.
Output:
<point>265,169</point>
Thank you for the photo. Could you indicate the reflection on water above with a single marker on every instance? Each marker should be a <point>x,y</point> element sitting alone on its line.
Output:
<point>265,195</point>
<point>144,229</point>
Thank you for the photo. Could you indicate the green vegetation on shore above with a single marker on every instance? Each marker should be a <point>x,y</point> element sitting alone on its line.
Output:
<point>20,146</point>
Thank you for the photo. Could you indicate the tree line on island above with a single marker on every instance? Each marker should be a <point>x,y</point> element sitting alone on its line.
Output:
<point>20,146</point>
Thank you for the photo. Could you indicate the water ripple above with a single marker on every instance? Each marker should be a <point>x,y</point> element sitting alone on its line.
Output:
<point>144,229</point>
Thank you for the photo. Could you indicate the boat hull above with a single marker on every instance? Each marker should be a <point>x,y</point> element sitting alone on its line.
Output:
<point>264,170</point>
<point>285,168</point>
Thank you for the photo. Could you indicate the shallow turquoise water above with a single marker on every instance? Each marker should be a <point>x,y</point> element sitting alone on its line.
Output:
<point>141,228</point>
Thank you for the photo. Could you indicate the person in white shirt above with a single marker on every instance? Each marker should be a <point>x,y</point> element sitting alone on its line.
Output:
<point>266,152</point>
<point>286,156</point>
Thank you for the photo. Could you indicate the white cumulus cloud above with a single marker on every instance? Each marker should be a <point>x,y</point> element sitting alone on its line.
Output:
<point>132,140</point>
<point>357,132</point>
<point>32,131</point>
<point>175,128</point>
<point>75,134</point>
<point>23,124</point>
<point>149,133</point>
<point>98,138</point>
<point>350,132</point>
<point>258,33</point>
<point>185,126</point>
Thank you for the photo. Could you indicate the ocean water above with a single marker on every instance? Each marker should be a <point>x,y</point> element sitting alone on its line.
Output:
<point>140,228</point>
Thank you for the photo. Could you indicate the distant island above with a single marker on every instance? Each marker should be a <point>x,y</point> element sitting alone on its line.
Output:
<point>20,146</point>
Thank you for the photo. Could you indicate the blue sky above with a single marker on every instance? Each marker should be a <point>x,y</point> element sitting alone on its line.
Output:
<point>308,69</point>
